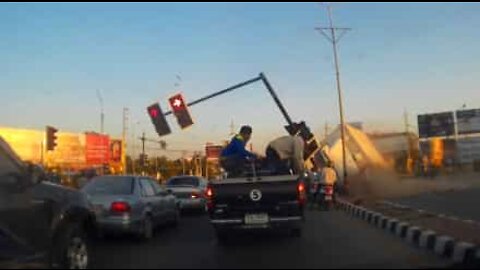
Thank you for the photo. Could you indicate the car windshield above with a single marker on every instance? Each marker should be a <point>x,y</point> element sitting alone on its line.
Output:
<point>109,186</point>
<point>183,181</point>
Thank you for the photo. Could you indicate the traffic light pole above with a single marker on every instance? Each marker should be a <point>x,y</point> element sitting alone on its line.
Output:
<point>262,78</point>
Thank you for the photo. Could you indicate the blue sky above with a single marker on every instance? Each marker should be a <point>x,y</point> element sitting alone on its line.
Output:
<point>421,57</point>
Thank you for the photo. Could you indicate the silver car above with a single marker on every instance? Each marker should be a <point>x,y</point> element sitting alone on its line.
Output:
<point>190,192</point>
<point>130,204</point>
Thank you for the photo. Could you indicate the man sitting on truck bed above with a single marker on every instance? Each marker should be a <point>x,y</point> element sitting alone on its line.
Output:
<point>234,155</point>
<point>285,153</point>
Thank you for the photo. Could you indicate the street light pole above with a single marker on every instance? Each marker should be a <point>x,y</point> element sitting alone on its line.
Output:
<point>102,114</point>
<point>333,38</point>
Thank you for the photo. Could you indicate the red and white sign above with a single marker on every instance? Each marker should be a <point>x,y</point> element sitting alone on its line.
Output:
<point>97,149</point>
<point>213,151</point>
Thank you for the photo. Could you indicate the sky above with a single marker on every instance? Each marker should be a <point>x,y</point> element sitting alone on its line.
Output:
<point>54,57</point>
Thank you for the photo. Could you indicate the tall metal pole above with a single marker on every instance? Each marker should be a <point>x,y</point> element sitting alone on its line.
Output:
<point>102,114</point>
<point>183,163</point>
<point>340,98</point>
<point>124,140</point>
<point>333,38</point>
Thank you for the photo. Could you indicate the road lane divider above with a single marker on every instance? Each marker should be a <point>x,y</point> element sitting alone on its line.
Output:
<point>458,251</point>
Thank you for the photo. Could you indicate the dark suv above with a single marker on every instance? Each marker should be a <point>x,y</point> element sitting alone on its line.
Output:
<point>42,224</point>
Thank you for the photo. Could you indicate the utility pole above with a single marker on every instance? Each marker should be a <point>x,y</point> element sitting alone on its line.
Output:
<point>330,33</point>
<point>102,113</point>
<point>183,162</point>
<point>124,140</point>
<point>143,138</point>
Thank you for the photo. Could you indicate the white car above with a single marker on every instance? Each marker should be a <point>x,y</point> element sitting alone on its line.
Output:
<point>190,192</point>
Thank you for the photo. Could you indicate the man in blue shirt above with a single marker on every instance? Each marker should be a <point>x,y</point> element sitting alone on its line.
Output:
<point>234,155</point>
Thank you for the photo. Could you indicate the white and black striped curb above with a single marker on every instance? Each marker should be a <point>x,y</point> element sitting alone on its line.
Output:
<point>445,246</point>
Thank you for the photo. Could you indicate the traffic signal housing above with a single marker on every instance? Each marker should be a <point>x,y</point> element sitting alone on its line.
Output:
<point>301,129</point>
<point>158,119</point>
<point>51,138</point>
<point>180,110</point>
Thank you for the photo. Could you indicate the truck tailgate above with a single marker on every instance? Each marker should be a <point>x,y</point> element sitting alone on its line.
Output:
<point>273,195</point>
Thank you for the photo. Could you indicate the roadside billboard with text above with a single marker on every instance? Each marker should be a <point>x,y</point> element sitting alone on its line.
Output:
<point>468,121</point>
<point>436,125</point>
<point>97,149</point>
<point>213,151</point>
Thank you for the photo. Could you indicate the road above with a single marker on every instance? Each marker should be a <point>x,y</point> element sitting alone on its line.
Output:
<point>330,240</point>
<point>454,203</point>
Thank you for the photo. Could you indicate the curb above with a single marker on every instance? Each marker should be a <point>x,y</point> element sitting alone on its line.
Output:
<point>443,245</point>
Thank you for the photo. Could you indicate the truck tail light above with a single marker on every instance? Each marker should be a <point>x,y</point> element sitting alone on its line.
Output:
<point>301,193</point>
<point>120,207</point>
<point>209,194</point>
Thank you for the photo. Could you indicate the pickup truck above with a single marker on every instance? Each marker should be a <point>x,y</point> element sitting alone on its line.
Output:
<point>256,202</point>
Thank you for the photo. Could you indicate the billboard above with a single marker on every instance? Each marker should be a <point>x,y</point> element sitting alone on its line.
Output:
<point>26,143</point>
<point>69,152</point>
<point>97,149</point>
<point>468,121</point>
<point>116,151</point>
<point>468,149</point>
<point>213,151</point>
<point>436,125</point>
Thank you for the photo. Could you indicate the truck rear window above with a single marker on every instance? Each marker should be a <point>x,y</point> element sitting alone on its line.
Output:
<point>183,181</point>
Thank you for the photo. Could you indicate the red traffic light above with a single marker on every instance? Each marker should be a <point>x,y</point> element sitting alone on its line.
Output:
<point>158,119</point>
<point>177,102</point>
<point>180,110</point>
<point>153,112</point>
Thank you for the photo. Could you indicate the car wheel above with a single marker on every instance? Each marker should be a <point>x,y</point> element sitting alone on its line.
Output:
<point>71,248</point>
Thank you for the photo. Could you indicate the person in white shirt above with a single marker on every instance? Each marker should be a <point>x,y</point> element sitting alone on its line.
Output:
<point>285,153</point>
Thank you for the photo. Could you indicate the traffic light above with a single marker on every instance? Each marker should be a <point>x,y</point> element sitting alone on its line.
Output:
<point>158,119</point>
<point>180,110</point>
<point>51,138</point>
<point>300,129</point>
<point>310,149</point>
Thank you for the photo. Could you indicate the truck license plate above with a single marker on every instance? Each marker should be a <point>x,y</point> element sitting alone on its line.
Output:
<point>256,218</point>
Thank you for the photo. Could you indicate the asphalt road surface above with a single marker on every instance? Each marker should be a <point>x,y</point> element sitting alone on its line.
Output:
<point>461,203</point>
<point>330,240</point>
